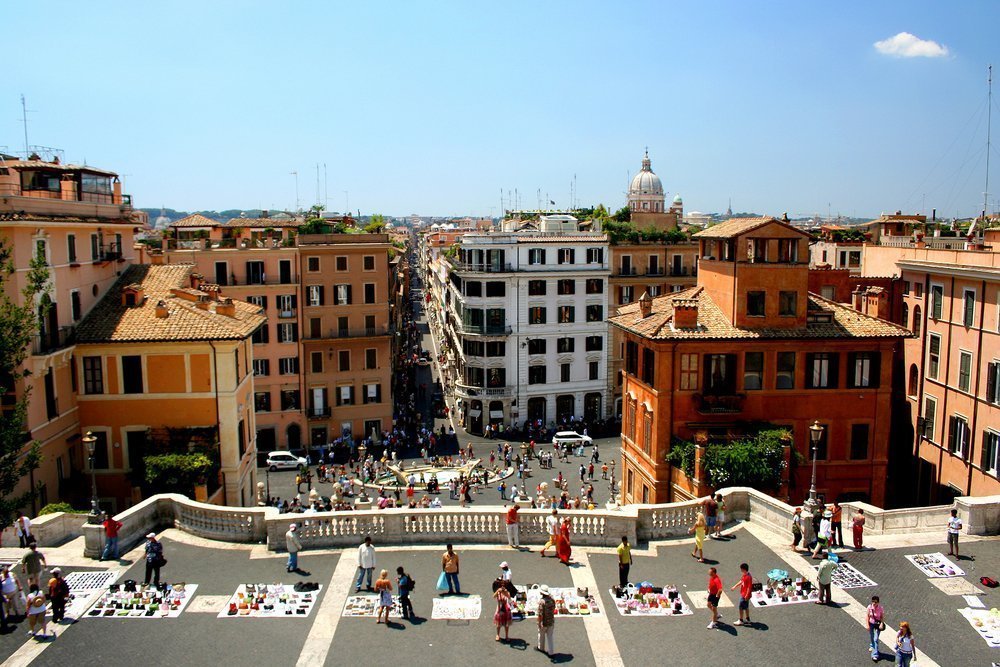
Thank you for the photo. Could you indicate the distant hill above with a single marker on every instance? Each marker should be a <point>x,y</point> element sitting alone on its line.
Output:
<point>174,215</point>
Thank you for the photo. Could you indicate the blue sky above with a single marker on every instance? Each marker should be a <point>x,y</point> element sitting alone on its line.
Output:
<point>435,108</point>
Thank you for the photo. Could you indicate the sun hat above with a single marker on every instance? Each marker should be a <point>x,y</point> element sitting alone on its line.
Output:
<point>56,570</point>
<point>150,535</point>
<point>544,590</point>
<point>504,565</point>
<point>827,515</point>
<point>294,526</point>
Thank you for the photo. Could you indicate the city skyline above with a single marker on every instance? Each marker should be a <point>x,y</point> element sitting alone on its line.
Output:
<point>437,110</point>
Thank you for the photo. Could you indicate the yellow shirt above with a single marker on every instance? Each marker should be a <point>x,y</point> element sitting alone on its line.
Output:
<point>624,554</point>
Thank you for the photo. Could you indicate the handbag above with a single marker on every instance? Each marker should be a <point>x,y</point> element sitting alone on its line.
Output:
<point>881,626</point>
<point>442,582</point>
<point>160,562</point>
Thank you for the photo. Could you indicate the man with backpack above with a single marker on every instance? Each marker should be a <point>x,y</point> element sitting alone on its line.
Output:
<point>405,584</point>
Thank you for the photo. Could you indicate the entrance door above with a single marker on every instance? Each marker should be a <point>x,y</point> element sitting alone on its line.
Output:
<point>293,434</point>
<point>565,406</point>
<point>266,441</point>
<point>476,417</point>
<point>285,272</point>
<point>592,407</point>
<point>676,270</point>
<point>221,273</point>
<point>536,409</point>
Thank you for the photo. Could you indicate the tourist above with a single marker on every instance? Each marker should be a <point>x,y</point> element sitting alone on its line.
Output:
<point>546,622</point>
<point>720,518</point>
<point>513,527</point>
<point>383,588</point>
<point>858,529</point>
<point>698,529</point>
<point>36,610</point>
<point>564,549</point>
<point>604,471</point>
<point>404,584</point>
<point>22,528</point>
<point>154,558</point>
<point>32,563</point>
<point>449,565</point>
<point>503,490</point>
<point>824,578</point>
<point>836,526</point>
<point>906,646</point>
<point>745,584</point>
<point>293,545</point>
<point>714,595</point>
<point>876,624</point>
<point>10,588</point>
<point>111,528</point>
<point>58,594</point>
<point>823,534</point>
<point>552,528</point>
<point>503,616</point>
<point>505,573</point>
<point>366,563</point>
<point>624,561</point>
<point>796,529</point>
<point>954,528</point>
<point>583,473</point>
<point>711,513</point>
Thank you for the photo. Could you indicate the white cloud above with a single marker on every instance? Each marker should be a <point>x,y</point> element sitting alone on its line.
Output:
<point>905,45</point>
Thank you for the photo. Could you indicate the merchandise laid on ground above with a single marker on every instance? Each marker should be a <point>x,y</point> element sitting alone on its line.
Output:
<point>986,622</point>
<point>936,565</point>
<point>83,586</point>
<point>467,608</point>
<point>569,601</point>
<point>786,591</point>
<point>273,600</point>
<point>132,600</point>
<point>649,600</point>
<point>366,606</point>
<point>848,576</point>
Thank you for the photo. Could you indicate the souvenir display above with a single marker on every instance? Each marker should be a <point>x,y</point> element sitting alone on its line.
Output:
<point>569,601</point>
<point>974,601</point>
<point>367,606</point>
<point>936,565</point>
<point>786,591</point>
<point>83,586</point>
<point>848,576</point>
<point>986,623</point>
<point>649,600</point>
<point>466,608</point>
<point>135,600</point>
<point>272,600</point>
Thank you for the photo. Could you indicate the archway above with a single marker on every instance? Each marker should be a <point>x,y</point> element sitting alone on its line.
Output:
<point>536,409</point>
<point>565,406</point>
<point>592,407</point>
<point>293,434</point>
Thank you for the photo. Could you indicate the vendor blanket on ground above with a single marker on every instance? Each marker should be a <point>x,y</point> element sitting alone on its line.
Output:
<point>457,608</point>
<point>782,595</point>
<point>846,575</point>
<point>668,603</point>
<point>272,601</point>
<point>986,623</point>
<point>83,588</point>
<point>569,602</point>
<point>936,565</point>
<point>366,606</point>
<point>143,602</point>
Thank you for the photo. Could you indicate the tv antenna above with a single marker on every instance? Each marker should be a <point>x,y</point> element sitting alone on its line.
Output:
<point>24,121</point>
<point>989,119</point>
<point>296,175</point>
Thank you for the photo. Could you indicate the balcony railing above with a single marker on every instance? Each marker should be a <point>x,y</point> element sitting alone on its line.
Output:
<point>482,268</point>
<point>626,271</point>
<point>318,412</point>
<point>483,329</point>
<point>287,313</point>
<point>655,271</point>
<point>50,342</point>
<point>361,332</point>
<point>724,404</point>
<point>469,391</point>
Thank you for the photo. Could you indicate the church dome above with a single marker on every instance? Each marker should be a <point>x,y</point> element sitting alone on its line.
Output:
<point>678,200</point>
<point>646,182</point>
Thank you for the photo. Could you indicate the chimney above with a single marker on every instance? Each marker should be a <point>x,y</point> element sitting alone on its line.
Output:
<point>645,305</point>
<point>161,309</point>
<point>685,313</point>
<point>156,258</point>
<point>203,302</point>
<point>133,295</point>
<point>196,280</point>
<point>213,291</point>
<point>857,298</point>
<point>226,307</point>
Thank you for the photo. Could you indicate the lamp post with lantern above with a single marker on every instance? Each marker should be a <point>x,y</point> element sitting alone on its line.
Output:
<point>90,442</point>
<point>811,505</point>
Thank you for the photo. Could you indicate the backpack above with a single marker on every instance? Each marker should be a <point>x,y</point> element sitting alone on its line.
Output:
<point>989,582</point>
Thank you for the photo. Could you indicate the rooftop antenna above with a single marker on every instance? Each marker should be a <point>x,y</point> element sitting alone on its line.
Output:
<point>296,175</point>
<point>24,121</point>
<point>989,119</point>
<point>326,191</point>
<point>318,200</point>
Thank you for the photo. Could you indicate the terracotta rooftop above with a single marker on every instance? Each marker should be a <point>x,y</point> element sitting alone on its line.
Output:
<point>263,223</point>
<point>844,322</point>
<point>52,166</point>
<point>111,321</point>
<point>195,220</point>
<point>736,226</point>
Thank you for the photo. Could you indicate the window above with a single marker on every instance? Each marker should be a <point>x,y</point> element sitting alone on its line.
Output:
<point>288,366</point>
<point>933,355</point>
<point>969,307</point>
<point>344,360</point>
<point>312,264</point>
<point>565,345</point>
<point>567,314</point>
<point>536,374</point>
<point>647,438</point>
<point>314,295</point>
<point>595,255</point>
<point>536,256</point>
<point>369,263</point>
<point>631,358</point>
<point>918,290</point>
<point>720,374</point>
<point>828,292</point>
<point>913,381</point>
<point>859,442</point>
<point>289,399</point>
<point>689,372</point>
<point>371,358</point>
<point>788,250</point>
<point>288,332</point>
<point>906,287</point>
<point>788,303</point>
<point>496,348</point>
<point>315,327</point>
<point>566,256</point>
<point>566,287</point>
<point>993,382</point>
<point>71,247</point>
<point>369,292</point>
<point>473,348</point>
<point>259,301</point>
<point>95,247</point>
<point>595,286</point>
<point>626,294</point>
<point>627,269</point>
<point>964,370</point>
<point>937,301</point>
<point>753,371</point>
<point>262,401</point>
<point>255,273</point>
<point>594,343</point>
<point>316,362</point>
<point>991,447</point>
<point>906,316</point>
<point>564,370</point>
<point>342,295</point>
<point>51,403</point>
<point>475,377</point>
<point>630,419</point>
<point>287,305</point>
<point>536,287</point>
<point>132,374</point>
<point>536,346</point>
<point>595,313</point>
<point>261,367</point>
<point>496,288</point>
<point>373,393</point>
<point>496,377</point>
<point>930,416</point>
<point>786,371</point>
<point>262,334</point>
<point>865,369</point>
<point>594,369</point>
<point>75,308</point>
<point>648,366</point>
<point>755,304</point>
<point>821,370</point>
<point>341,263</point>
<point>958,436</point>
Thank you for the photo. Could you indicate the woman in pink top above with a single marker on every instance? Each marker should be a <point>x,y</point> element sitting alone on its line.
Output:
<point>876,613</point>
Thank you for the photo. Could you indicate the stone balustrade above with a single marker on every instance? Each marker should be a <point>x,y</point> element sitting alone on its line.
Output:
<point>50,530</point>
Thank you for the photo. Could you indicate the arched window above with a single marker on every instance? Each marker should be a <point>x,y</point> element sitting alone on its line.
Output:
<point>911,385</point>
<point>906,316</point>
<point>916,321</point>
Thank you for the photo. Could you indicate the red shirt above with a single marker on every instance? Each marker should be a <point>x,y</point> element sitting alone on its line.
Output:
<point>746,586</point>
<point>714,585</point>
<point>512,515</point>
<point>111,527</point>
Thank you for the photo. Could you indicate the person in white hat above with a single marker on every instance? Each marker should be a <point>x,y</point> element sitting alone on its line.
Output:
<point>294,546</point>
<point>154,559</point>
<point>546,622</point>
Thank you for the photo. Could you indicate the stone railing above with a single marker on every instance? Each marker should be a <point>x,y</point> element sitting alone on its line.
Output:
<point>981,516</point>
<point>50,530</point>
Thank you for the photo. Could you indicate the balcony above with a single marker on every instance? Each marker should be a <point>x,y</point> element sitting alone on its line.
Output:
<point>726,404</point>
<point>482,268</point>
<point>468,391</point>
<point>483,329</point>
<point>678,273</point>
<point>318,412</point>
<point>361,332</point>
<point>51,342</point>
<point>287,313</point>
<point>657,271</point>
<point>626,271</point>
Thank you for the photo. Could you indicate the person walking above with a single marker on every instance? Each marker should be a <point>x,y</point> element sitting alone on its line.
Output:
<point>36,610</point>
<point>293,545</point>
<point>32,563</point>
<point>824,578</point>
<point>711,507</point>
<point>449,565</point>
<point>564,549</point>
<point>404,584</point>
<point>366,563</point>
<point>714,595</point>
<point>503,616</point>
<point>876,624</point>
<point>383,588</point>
<point>796,529</point>
<point>58,594</point>
<point>513,526</point>
<point>604,471</point>
<point>10,588</point>
<point>22,527</point>
<point>858,529</point>
<point>111,528</point>
<point>745,584</point>
<point>154,558</point>
<point>552,528</point>
<point>837,526</point>
<point>698,529</point>
<point>906,645</point>
<point>720,519</point>
<point>954,528</point>
<point>823,535</point>
<point>546,622</point>
<point>624,561</point>
<point>503,490</point>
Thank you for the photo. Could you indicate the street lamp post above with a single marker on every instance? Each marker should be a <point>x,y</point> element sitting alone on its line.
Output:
<point>811,506</point>
<point>95,511</point>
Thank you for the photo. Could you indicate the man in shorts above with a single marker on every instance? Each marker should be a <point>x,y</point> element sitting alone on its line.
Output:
<point>714,595</point>
<point>954,528</point>
<point>745,584</point>
<point>711,514</point>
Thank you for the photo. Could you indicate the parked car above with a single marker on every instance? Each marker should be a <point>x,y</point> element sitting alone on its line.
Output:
<point>571,438</point>
<point>424,360</point>
<point>284,461</point>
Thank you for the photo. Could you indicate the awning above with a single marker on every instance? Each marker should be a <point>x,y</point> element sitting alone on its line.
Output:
<point>475,413</point>
<point>496,414</point>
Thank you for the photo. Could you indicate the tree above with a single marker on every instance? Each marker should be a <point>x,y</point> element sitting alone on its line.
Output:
<point>18,325</point>
<point>376,224</point>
